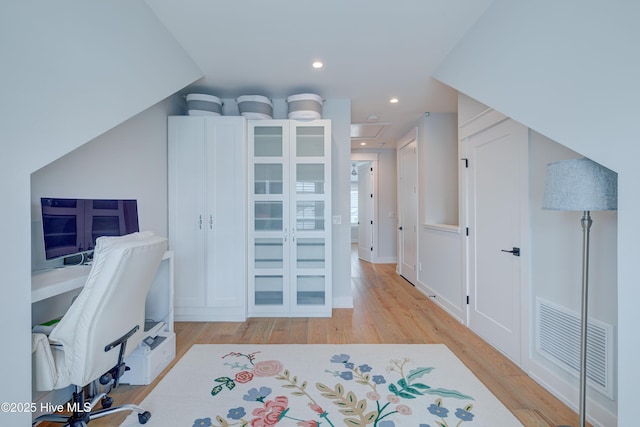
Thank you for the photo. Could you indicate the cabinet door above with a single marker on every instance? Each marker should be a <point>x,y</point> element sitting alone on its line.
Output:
<point>269,231</point>
<point>187,172</point>
<point>225,218</point>
<point>310,213</point>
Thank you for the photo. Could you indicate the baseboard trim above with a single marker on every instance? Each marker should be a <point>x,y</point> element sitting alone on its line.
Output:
<point>441,302</point>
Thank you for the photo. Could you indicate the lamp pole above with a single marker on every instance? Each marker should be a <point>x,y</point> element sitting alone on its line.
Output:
<point>586,226</point>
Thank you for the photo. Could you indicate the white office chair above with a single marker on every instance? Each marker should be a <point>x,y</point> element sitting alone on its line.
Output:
<point>102,326</point>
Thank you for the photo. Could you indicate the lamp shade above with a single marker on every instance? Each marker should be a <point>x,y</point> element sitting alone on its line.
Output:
<point>580,185</point>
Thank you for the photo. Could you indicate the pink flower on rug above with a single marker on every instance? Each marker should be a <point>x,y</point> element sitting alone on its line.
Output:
<point>308,423</point>
<point>404,410</point>
<point>393,398</point>
<point>372,395</point>
<point>243,377</point>
<point>316,408</point>
<point>271,413</point>
<point>267,368</point>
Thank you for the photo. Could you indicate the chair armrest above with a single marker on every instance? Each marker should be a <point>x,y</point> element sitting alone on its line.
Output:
<point>43,364</point>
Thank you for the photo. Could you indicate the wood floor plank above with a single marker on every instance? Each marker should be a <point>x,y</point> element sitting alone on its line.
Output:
<point>387,309</point>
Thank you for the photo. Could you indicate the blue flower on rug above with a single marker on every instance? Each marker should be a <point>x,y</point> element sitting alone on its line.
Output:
<point>236,413</point>
<point>340,358</point>
<point>202,422</point>
<point>346,375</point>
<point>464,414</point>
<point>404,396</point>
<point>255,395</point>
<point>438,410</point>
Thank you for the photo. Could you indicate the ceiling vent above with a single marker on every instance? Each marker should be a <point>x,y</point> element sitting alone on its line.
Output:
<point>367,130</point>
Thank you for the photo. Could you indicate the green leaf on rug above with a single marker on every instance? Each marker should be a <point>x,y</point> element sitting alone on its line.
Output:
<point>217,389</point>
<point>443,392</point>
<point>418,372</point>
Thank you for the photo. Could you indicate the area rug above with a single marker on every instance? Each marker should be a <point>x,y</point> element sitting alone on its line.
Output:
<point>322,385</point>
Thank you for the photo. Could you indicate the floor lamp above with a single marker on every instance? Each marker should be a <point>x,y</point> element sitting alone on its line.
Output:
<point>581,185</point>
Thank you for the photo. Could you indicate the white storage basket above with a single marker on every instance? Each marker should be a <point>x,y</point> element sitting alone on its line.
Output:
<point>200,104</point>
<point>305,106</point>
<point>255,107</point>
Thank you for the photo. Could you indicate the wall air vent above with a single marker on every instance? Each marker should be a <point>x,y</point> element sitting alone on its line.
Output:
<point>558,339</point>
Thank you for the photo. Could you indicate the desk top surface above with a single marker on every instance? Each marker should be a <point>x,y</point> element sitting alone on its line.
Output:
<point>55,281</point>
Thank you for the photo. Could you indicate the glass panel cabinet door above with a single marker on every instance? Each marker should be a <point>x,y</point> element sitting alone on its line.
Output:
<point>268,212</point>
<point>310,213</point>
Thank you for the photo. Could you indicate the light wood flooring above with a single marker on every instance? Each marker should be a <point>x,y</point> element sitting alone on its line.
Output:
<point>387,309</point>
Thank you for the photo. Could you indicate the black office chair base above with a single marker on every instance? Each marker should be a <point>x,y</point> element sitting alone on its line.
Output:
<point>81,419</point>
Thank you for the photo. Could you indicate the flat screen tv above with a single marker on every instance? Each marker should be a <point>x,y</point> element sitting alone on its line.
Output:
<point>71,226</point>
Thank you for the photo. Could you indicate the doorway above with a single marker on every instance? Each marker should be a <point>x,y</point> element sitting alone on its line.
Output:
<point>364,205</point>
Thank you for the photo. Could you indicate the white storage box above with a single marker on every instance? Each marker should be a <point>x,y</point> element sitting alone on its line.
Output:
<point>146,364</point>
<point>200,104</point>
<point>255,106</point>
<point>305,106</point>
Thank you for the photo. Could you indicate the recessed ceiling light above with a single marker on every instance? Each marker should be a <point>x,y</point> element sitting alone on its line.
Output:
<point>363,143</point>
<point>317,64</point>
<point>393,100</point>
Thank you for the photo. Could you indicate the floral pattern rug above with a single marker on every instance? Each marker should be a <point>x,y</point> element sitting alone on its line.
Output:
<point>388,385</point>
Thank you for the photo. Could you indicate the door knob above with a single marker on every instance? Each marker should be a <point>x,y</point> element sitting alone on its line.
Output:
<point>514,251</point>
<point>400,228</point>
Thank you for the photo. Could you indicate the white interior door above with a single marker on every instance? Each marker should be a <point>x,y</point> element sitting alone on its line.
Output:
<point>497,177</point>
<point>365,212</point>
<point>408,212</point>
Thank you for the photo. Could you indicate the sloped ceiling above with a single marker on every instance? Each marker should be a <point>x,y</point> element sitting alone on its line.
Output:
<point>372,50</point>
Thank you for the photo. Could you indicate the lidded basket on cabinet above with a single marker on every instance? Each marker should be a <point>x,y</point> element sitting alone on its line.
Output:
<point>255,107</point>
<point>305,106</point>
<point>200,104</point>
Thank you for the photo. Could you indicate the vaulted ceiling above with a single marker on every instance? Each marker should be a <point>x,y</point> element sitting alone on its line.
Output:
<point>372,51</point>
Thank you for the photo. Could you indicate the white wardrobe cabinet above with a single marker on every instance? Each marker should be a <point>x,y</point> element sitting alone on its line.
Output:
<point>207,220</point>
<point>289,218</point>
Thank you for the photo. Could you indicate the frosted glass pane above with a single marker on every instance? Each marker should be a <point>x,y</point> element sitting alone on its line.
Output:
<point>267,141</point>
<point>268,216</point>
<point>311,290</point>
<point>268,253</point>
<point>310,179</point>
<point>310,215</point>
<point>310,253</point>
<point>310,141</point>
<point>268,290</point>
<point>268,178</point>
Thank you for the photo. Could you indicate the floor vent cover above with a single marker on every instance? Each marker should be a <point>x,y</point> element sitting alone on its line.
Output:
<point>558,339</point>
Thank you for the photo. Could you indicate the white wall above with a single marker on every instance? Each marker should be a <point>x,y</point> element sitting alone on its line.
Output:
<point>568,70</point>
<point>440,272</point>
<point>126,162</point>
<point>67,77</point>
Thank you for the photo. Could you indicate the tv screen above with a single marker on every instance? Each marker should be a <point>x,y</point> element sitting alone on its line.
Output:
<point>71,226</point>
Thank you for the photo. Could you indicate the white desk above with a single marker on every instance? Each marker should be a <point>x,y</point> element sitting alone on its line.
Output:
<point>51,283</point>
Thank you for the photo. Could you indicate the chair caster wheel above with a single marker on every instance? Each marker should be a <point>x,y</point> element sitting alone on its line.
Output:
<point>144,417</point>
<point>106,402</point>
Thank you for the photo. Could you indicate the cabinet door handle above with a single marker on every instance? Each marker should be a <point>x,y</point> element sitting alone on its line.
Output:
<point>211,222</point>
<point>285,234</point>
<point>200,222</point>
<point>293,234</point>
